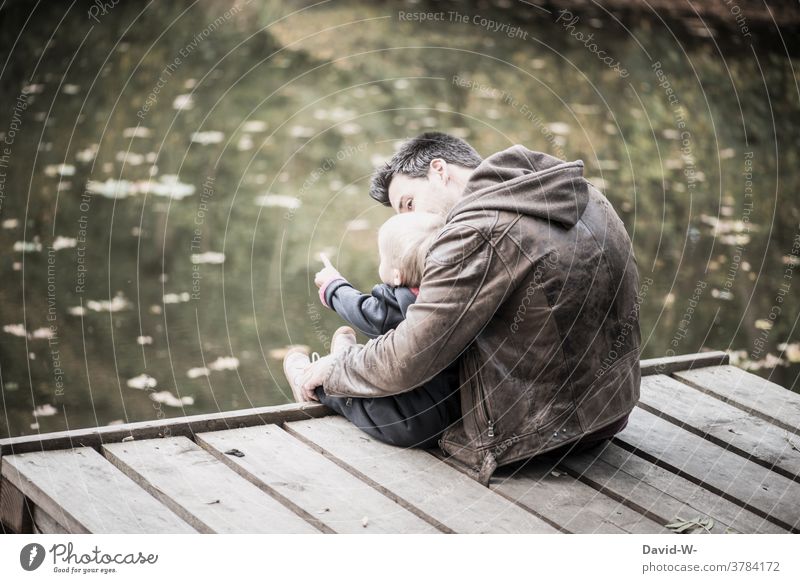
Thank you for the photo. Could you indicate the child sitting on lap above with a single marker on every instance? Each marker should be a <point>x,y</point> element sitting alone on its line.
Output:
<point>414,418</point>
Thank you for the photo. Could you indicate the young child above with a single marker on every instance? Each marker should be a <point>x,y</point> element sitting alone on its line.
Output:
<point>414,418</point>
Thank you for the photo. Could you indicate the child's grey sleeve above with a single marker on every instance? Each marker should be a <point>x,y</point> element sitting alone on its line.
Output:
<point>372,314</point>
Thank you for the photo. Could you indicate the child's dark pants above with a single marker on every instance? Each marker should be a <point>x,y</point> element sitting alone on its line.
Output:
<point>415,418</point>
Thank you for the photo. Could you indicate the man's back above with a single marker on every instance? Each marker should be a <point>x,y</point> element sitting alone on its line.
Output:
<point>559,357</point>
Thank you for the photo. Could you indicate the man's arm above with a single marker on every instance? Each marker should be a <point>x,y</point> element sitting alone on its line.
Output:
<point>464,284</point>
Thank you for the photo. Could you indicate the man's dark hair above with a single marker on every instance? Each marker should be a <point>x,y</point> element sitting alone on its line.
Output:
<point>414,158</point>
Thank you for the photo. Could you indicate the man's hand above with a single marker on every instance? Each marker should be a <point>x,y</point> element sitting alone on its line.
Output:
<point>314,374</point>
<point>327,273</point>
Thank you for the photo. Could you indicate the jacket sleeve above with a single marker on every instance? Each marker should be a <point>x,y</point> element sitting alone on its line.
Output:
<point>464,283</point>
<point>368,313</point>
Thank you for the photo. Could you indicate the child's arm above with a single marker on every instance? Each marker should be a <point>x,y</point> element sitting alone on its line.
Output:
<point>372,314</point>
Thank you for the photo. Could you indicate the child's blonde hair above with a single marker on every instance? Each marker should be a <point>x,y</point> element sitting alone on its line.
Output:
<point>404,241</point>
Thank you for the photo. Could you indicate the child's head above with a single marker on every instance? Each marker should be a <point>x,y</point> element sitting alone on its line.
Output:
<point>403,242</point>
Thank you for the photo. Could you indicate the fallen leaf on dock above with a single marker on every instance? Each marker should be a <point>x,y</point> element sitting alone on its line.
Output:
<point>682,525</point>
<point>235,452</point>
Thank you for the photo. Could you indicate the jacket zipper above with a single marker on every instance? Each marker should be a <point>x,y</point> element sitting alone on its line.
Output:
<point>482,407</point>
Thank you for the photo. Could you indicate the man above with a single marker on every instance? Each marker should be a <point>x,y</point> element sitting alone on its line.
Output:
<point>531,285</point>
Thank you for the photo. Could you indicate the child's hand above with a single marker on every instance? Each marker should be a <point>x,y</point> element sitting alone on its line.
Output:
<point>327,273</point>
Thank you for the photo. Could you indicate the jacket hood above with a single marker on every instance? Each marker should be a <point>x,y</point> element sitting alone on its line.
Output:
<point>532,183</point>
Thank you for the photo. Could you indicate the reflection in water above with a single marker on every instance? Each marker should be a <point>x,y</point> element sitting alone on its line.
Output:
<point>169,178</point>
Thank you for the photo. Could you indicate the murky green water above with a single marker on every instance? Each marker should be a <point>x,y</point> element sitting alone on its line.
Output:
<point>171,172</point>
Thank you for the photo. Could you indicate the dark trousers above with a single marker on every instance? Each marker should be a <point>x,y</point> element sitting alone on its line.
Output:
<point>415,418</point>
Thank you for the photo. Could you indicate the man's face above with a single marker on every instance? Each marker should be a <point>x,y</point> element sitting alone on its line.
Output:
<point>432,193</point>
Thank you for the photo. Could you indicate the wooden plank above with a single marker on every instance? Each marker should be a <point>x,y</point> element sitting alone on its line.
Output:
<point>670,364</point>
<point>418,480</point>
<point>728,474</point>
<point>279,462</point>
<point>731,427</point>
<point>86,494</point>
<point>15,513</point>
<point>659,493</point>
<point>201,489</point>
<point>43,523</point>
<point>549,491</point>
<point>186,426</point>
<point>749,392</point>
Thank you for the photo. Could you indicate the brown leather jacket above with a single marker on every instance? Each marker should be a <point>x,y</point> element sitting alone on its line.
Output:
<point>533,284</point>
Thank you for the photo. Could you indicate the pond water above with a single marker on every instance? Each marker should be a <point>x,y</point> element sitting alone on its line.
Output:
<point>171,171</point>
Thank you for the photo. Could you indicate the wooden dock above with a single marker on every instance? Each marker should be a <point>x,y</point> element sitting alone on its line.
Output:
<point>709,445</point>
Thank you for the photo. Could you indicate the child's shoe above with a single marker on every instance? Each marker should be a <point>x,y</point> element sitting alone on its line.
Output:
<point>342,339</point>
<point>294,363</point>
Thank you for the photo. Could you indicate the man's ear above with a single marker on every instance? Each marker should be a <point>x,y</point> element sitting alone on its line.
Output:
<point>396,280</point>
<point>439,168</point>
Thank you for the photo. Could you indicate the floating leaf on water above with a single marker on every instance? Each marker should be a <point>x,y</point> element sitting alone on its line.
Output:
<point>116,304</point>
<point>10,223</point>
<point>358,225</point>
<point>763,324</point>
<point>63,243</point>
<point>42,334</point>
<point>769,361</point>
<point>142,381</point>
<point>206,138</point>
<point>16,330</point>
<point>721,294</point>
<point>182,102</point>
<point>790,351</point>
<point>172,298</point>
<point>87,154</point>
<point>559,128</point>
<point>198,372</point>
<point>45,411</point>
<point>129,158</point>
<point>351,128</point>
<point>137,132</point>
<point>208,257</point>
<point>671,133</point>
<point>254,125</point>
<point>28,246</point>
<point>170,400</point>
<point>278,200</point>
<point>301,132</point>
<point>245,143</point>
<point>225,363</point>
<point>59,170</point>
